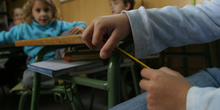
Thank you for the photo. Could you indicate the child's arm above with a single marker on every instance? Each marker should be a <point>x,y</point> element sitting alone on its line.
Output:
<point>76,30</point>
<point>10,36</point>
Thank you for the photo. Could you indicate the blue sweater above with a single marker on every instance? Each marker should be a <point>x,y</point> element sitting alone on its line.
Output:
<point>34,31</point>
<point>160,29</point>
<point>156,29</point>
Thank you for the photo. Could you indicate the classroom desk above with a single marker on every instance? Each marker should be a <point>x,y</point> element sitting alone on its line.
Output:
<point>9,47</point>
<point>60,40</point>
<point>50,43</point>
<point>5,52</point>
<point>64,41</point>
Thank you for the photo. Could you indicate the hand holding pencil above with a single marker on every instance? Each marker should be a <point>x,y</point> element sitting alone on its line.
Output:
<point>116,29</point>
<point>164,86</point>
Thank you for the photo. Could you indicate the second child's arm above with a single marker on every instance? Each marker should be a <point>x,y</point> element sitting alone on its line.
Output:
<point>76,30</point>
<point>10,36</point>
<point>73,28</point>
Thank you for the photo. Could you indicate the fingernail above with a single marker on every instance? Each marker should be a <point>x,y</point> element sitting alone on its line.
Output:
<point>104,55</point>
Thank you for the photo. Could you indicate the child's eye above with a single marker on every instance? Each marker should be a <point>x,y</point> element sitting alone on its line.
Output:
<point>115,3</point>
<point>37,10</point>
<point>46,9</point>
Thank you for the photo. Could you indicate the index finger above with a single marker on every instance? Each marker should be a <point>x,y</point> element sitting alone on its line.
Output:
<point>87,36</point>
<point>98,33</point>
<point>168,71</point>
<point>149,73</point>
<point>109,46</point>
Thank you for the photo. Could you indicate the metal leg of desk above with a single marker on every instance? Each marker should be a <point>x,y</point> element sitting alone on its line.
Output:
<point>71,94</point>
<point>23,99</point>
<point>112,85</point>
<point>123,86</point>
<point>36,83</point>
<point>36,91</point>
<point>113,79</point>
<point>135,80</point>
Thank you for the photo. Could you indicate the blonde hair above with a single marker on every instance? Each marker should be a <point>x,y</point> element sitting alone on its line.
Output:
<point>27,10</point>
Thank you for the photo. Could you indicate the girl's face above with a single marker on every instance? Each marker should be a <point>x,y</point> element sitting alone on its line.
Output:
<point>41,12</point>
<point>117,6</point>
<point>18,14</point>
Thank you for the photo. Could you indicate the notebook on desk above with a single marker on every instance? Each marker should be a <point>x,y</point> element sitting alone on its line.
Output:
<point>58,67</point>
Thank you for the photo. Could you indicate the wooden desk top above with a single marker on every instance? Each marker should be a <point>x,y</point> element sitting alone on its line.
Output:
<point>66,40</point>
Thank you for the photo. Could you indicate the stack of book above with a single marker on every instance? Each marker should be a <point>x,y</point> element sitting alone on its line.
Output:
<point>59,67</point>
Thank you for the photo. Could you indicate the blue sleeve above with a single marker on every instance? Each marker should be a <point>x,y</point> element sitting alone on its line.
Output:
<point>67,25</point>
<point>203,98</point>
<point>156,29</point>
<point>9,37</point>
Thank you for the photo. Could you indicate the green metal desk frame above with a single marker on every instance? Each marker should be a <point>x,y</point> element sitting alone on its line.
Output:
<point>111,85</point>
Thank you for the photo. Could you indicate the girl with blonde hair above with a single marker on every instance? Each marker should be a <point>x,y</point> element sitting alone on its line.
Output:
<point>40,20</point>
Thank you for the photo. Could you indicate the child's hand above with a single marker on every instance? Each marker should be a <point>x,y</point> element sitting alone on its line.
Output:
<point>113,27</point>
<point>76,30</point>
<point>166,89</point>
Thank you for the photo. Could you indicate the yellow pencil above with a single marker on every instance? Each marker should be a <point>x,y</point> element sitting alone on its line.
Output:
<point>133,58</point>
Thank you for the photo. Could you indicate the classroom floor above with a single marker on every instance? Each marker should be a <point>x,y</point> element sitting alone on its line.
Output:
<point>47,102</point>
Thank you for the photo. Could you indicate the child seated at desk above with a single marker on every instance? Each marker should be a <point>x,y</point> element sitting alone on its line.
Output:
<point>40,21</point>
<point>118,5</point>
<point>17,17</point>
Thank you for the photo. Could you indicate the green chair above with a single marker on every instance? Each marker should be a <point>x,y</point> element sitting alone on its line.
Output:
<point>57,90</point>
<point>20,90</point>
